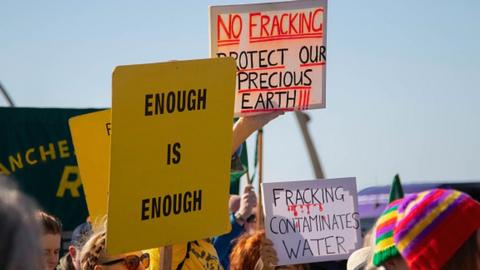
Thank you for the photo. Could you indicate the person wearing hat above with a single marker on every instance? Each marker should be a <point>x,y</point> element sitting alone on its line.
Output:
<point>378,248</point>
<point>438,229</point>
<point>71,260</point>
<point>380,252</point>
<point>358,260</point>
<point>385,252</point>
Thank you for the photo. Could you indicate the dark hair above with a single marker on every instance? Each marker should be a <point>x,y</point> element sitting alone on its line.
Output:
<point>466,256</point>
<point>49,223</point>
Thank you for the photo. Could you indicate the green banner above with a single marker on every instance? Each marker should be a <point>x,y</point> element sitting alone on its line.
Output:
<point>37,151</point>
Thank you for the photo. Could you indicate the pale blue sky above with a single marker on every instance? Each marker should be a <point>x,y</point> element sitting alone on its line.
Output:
<point>403,77</point>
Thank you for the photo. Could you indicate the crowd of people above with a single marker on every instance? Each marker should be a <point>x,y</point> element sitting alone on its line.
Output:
<point>434,229</point>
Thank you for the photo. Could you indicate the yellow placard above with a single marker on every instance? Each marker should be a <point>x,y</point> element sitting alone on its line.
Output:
<point>91,140</point>
<point>170,153</point>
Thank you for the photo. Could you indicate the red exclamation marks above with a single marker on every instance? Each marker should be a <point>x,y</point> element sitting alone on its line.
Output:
<point>300,100</point>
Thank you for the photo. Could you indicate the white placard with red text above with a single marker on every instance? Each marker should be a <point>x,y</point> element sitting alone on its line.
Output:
<point>312,221</point>
<point>280,51</point>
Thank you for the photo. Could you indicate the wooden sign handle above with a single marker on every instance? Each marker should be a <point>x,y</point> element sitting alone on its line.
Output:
<point>260,221</point>
<point>166,258</point>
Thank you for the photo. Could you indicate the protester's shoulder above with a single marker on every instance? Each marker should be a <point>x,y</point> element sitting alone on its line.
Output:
<point>206,244</point>
<point>179,252</point>
<point>201,255</point>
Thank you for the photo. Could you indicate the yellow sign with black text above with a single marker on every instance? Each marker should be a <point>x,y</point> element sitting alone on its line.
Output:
<point>170,153</point>
<point>91,140</point>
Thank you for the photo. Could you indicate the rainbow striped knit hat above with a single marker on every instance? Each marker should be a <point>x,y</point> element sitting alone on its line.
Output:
<point>384,246</point>
<point>432,225</point>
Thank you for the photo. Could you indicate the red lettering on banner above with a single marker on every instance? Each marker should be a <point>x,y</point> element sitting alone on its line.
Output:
<point>308,207</point>
<point>284,16</point>
<point>251,24</point>
<point>265,20</point>
<point>229,33</point>
<point>300,102</point>
<point>291,23</point>
<point>294,88</point>
<point>268,110</point>
<point>320,27</point>
<point>296,25</point>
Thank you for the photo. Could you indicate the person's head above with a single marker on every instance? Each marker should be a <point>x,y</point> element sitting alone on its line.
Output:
<point>253,251</point>
<point>51,239</point>
<point>19,231</point>
<point>434,228</point>
<point>246,251</point>
<point>358,260</point>
<point>384,252</point>
<point>79,236</point>
<point>93,256</point>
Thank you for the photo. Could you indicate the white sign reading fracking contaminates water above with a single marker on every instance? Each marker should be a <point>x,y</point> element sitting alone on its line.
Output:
<point>312,221</point>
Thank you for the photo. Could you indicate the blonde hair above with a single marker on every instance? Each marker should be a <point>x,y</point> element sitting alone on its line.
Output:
<point>93,250</point>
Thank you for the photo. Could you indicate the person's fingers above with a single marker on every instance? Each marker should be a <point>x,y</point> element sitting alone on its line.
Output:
<point>268,249</point>
<point>267,246</point>
<point>263,119</point>
<point>254,201</point>
<point>277,113</point>
<point>269,260</point>
<point>259,120</point>
<point>274,114</point>
<point>248,201</point>
<point>247,189</point>
<point>249,194</point>
<point>269,256</point>
<point>259,265</point>
<point>269,252</point>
